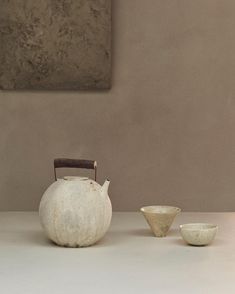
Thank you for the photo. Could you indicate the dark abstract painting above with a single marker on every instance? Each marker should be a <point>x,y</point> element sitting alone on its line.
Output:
<point>55,44</point>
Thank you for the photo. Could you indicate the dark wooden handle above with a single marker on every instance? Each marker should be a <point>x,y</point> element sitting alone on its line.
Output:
<point>74,163</point>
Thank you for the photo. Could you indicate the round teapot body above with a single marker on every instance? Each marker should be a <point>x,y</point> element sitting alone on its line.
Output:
<point>75,212</point>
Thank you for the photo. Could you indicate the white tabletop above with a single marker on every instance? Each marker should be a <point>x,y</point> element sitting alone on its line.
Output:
<point>128,260</point>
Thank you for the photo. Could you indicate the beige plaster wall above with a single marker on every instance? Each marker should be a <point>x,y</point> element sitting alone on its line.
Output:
<point>165,133</point>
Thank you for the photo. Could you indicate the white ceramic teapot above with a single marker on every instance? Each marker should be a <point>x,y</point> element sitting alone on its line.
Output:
<point>75,211</point>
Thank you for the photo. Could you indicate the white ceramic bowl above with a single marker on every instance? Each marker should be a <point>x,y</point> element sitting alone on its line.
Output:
<point>198,234</point>
<point>160,218</point>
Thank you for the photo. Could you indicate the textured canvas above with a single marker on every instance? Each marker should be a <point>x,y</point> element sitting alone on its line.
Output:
<point>55,44</point>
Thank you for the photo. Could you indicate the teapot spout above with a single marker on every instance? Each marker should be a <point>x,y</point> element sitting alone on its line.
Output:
<point>105,187</point>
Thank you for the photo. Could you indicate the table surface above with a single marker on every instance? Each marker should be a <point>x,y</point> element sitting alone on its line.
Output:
<point>129,259</point>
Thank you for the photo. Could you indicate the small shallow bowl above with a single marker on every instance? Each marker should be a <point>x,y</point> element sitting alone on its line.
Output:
<point>160,218</point>
<point>198,234</point>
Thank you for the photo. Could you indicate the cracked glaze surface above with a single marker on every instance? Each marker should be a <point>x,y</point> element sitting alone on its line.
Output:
<point>198,234</point>
<point>75,212</point>
<point>160,218</point>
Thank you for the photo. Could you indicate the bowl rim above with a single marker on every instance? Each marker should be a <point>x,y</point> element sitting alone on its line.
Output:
<point>193,226</point>
<point>144,209</point>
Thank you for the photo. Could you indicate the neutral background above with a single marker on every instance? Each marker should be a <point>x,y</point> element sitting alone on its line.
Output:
<point>165,133</point>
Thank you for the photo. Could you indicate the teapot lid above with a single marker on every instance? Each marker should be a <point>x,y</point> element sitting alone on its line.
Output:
<point>72,178</point>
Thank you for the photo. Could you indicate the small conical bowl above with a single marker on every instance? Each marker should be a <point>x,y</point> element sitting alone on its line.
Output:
<point>160,218</point>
